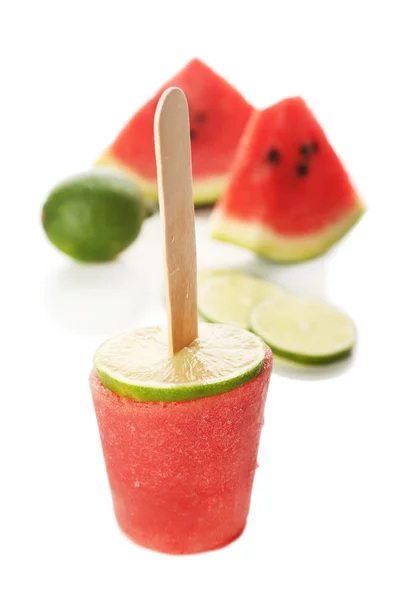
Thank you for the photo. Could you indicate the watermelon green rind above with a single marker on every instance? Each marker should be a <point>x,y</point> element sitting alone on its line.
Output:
<point>205,191</point>
<point>282,248</point>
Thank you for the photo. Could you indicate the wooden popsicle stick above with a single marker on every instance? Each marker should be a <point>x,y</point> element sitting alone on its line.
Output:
<point>174,175</point>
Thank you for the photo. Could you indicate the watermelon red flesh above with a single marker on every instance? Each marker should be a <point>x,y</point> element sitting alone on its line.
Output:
<point>218,116</point>
<point>288,179</point>
<point>181,473</point>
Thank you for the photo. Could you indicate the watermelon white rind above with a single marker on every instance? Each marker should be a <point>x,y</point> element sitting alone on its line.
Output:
<point>282,248</point>
<point>205,192</point>
<point>289,197</point>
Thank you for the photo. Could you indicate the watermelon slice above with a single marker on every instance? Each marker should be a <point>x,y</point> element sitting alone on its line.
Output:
<point>289,197</point>
<point>218,116</point>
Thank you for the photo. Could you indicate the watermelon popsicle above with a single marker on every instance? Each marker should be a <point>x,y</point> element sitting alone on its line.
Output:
<point>181,473</point>
<point>180,409</point>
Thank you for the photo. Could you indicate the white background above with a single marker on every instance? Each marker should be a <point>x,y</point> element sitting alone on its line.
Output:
<point>324,522</point>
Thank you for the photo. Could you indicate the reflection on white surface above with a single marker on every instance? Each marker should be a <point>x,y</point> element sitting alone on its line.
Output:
<point>312,372</point>
<point>103,299</point>
<point>100,300</point>
<point>94,299</point>
<point>306,278</point>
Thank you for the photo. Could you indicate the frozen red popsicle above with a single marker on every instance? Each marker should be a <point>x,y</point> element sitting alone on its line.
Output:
<point>180,408</point>
<point>181,473</point>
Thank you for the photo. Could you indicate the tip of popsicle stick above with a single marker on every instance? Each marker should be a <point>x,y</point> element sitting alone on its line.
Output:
<point>174,99</point>
<point>173,90</point>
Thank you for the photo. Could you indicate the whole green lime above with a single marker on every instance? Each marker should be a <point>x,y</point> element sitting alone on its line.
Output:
<point>94,216</point>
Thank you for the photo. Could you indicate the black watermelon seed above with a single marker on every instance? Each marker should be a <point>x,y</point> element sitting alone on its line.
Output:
<point>200,117</point>
<point>193,134</point>
<point>302,169</point>
<point>305,150</point>
<point>314,146</point>
<point>273,156</point>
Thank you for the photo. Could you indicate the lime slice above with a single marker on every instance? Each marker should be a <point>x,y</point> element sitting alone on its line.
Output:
<point>231,298</point>
<point>205,274</point>
<point>137,364</point>
<point>303,330</point>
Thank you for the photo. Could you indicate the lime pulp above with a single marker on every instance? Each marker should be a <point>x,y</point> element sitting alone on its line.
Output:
<point>137,364</point>
<point>303,330</point>
<point>229,298</point>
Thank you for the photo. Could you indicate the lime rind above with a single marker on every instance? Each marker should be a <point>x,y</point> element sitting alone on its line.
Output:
<point>309,360</point>
<point>137,364</point>
<point>303,330</point>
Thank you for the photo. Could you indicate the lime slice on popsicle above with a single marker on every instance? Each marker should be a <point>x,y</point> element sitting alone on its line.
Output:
<point>139,365</point>
<point>182,361</point>
<point>303,330</point>
<point>230,298</point>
